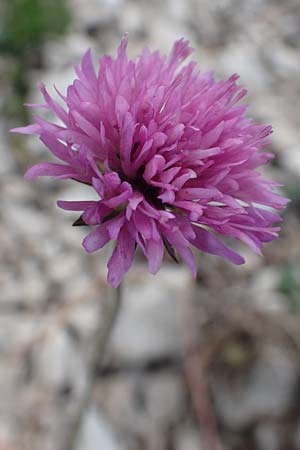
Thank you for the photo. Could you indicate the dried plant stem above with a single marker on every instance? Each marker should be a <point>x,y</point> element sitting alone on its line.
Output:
<point>196,377</point>
<point>197,381</point>
<point>106,321</point>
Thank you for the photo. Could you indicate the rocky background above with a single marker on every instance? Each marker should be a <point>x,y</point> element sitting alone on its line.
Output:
<point>211,365</point>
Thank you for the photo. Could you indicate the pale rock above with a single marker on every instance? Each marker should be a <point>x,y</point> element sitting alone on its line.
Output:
<point>267,436</point>
<point>188,438</point>
<point>98,12</point>
<point>17,188</point>
<point>84,318</point>
<point>243,58</point>
<point>267,390</point>
<point>178,10</point>
<point>142,402</point>
<point>71,236</point>
<point>134,18</point>
<point>64,267</point>
<point>62,54</point>
<point>285,61</point>
<point>12,341</point>
<point>97,433</point>
<point>292,159</point>
<point>165,398</point>
<point>59,362</point>
<point>265,295</point>
<point>27,221</point>
<point>163,36</point>
<point>7,161</point>
<point>149,325</point>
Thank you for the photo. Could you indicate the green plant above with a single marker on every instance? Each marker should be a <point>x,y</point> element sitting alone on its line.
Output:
<point>289,285</point>
<point>26,24</point>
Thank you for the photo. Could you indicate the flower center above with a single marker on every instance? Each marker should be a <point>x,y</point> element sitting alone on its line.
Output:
<point>149,192</point>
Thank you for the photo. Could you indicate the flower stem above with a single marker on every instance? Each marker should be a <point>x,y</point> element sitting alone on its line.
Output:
<point>197,376</point>
<point>105,325</point>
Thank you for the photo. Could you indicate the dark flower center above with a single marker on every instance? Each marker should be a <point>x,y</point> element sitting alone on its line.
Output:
<point>149,192</point>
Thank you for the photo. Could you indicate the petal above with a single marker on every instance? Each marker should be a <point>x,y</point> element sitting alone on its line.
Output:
<point>208,243</point>
<point>87,127</point>
<point>114,226</point>
<point>135,200</point>
<point>49,169</point>
<point>96,239</point>
<point>199,194</point>
<point>88,69</point>
<point>188,257</point>
<point>118,200</point>
<point>29,129</point>
<point>145,225</point>
<point>154,165</point>
<point>126,140</point>
<point>202,153</point>
<point>155,252</point>
<point>58,149</point>
<point>121,108</point>
<point>180,51</point>
<point>212,136</point>
<point>178,240</point>
<point>75,206</point>
<point>121,259</point>
<point>56,108</point>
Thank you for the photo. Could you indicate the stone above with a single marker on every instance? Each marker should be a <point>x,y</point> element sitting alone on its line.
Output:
<point>265,295</point>
<point>243,58</point>
<point>7,165</point>
<point>267,436</point>
<point>188,438</point>
<point>292,159</point>
<point>141,401</point>
<point>266,390</point>
<point>27,221</point>
<point>97,433</point>
<point>150,319</point>
<point>58,362</point>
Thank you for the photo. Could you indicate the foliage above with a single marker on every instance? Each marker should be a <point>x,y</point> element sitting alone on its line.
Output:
<point>289,285</point>
<point>26,24</point>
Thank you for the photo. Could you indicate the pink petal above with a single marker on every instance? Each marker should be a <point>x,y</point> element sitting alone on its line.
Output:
<point>29,129</point>
<point>50,170</point>
<point>154,165</point>
<point>57,148</point>
<point>74,206</point>
<point>88,69</point>
<point>56,108</point>
<point>208,243</point>
<point>114,226</point>
<point>121,108</point>
<point>188,257</point>
<point>96,239</point>
<point>86,126</point>
<point>121,259</point>
<point>154,254</point>
<point>181,50</point>
<point>212,136</point>
<point>118,200</point>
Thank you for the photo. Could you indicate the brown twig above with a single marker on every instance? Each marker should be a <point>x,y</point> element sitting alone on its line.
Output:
<point>197,381</point>
<point>196,376</point>
<point>99,345</point>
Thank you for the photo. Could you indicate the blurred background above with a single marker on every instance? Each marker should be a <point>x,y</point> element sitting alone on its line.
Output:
<point>238,386</point>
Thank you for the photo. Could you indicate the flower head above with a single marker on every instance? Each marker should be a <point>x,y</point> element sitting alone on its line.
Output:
<point>170,153</point>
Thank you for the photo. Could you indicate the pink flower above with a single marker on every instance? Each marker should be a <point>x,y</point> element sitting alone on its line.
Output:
<point>170,153</point>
